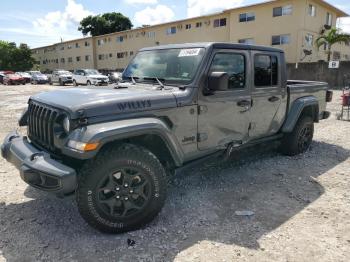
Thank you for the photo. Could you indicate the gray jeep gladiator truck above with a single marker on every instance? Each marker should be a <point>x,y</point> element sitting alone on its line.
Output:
<point>176,105</point>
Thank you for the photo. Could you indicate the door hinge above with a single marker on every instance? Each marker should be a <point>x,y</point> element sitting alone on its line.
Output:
<point>202,137</point>
<point>201,109</point>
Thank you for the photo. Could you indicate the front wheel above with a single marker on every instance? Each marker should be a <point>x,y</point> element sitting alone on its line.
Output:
<point>122,189</point>
<point>75,83</point>
<point>88,83</point>
<point>299,140</point>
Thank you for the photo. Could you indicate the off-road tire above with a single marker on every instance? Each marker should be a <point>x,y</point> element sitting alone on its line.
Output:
<point>108,161</point>
<point>297,142</point>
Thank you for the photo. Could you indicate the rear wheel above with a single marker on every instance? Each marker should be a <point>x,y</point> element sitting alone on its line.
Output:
<point>122,189</point>
<point>299,140</point>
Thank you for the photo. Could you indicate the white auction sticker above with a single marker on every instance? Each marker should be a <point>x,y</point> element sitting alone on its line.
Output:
<point>189,52</point>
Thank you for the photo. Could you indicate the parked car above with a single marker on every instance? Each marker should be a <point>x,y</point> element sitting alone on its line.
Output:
<point>13,79</point>
<point>2,74</point>
<point>61,77</point>
<point>177,105</point>
<point>26,76</point>
<point>33,72</point>
<point>89,77</point>
<point>114,77</point>
<point>39,78</point>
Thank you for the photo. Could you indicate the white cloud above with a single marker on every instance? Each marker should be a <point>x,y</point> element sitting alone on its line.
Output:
<point>62,24</point>
<point>141,1</point>
<point>151,16</point>
<point>201,7</point>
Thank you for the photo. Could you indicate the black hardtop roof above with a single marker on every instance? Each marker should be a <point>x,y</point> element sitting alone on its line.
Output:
<point>218,45</point>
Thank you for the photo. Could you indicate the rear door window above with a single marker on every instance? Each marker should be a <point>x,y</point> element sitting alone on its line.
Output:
<point>265,70</point>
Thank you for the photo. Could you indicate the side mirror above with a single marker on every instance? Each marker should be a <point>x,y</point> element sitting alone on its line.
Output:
<point>218,81</point>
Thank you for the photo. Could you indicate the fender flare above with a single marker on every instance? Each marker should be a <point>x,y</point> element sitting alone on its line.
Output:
<point>296,109</point>
<point>122,129</point>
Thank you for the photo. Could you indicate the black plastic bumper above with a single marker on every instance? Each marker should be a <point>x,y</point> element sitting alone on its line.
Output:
<point>37,168</point>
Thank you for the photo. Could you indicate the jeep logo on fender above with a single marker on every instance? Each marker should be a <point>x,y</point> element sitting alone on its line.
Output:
<point>134,105</point>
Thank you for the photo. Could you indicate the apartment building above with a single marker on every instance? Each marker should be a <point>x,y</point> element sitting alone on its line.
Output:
<point>292,25</point>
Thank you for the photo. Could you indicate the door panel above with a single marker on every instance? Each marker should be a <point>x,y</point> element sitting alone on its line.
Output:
<point>268,95</point>
<point>224,115</point>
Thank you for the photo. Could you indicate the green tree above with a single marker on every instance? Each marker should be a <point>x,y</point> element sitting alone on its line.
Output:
<point>331,37</point>
<point>15,58</point>
<point>104,24</point>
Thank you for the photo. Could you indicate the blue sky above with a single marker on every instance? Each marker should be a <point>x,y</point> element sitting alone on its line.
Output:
<point>42,22</point>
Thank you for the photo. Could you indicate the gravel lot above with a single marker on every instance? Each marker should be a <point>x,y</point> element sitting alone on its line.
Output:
<point>301,207</point>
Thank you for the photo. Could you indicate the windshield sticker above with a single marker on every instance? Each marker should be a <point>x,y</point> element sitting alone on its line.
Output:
<point>189,52</point>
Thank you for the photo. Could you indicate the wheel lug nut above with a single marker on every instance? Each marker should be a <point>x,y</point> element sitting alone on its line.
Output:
<point>117,197</point>
<point>126,185</point>
<point>131,191</point>
<point>117,188</point>
<point>126,198</point>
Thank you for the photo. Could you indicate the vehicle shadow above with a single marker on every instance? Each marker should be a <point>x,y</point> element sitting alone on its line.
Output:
<point>201,206</point>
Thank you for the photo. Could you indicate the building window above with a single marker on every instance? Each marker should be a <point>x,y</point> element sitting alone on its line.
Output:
<point>110,55</point>
<point>122,54</point>
<point>199,24</point>
<point>78,58</point>
<point>188,26</point>
<point>63,60</point>
<point>247,41</point>
<point>77,45</point>
<point>69,47</point>
<point>220,22</point>
<point>70,59</point>
<point>312,10</point>
<point>171,30</point>
<point>233,65</point>
<point>309,40</point>
<point>101,57</point>
<point>131,53</point>
<point>62,48</point>
<point>100,42</point>
<point>151,34</point>
<point>120,39</point>
<point>280,39</point>
<point>329,19</point>
<point>87,58</point>
<point>336,55</point>
<point>282,10</point>
<point>265,71</point>
<point>246,17</point>
<point>87,43</point>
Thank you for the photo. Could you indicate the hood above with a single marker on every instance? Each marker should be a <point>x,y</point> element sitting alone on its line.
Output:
<point>99,102</point>
<point>97,76</point>
<point>15,77</point>
<point>66,75</point>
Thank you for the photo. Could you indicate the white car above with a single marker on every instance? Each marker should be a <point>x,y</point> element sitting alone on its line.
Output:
<point>89,77</point>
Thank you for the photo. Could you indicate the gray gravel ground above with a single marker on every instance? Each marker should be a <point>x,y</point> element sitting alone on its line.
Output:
<point>301,207</point>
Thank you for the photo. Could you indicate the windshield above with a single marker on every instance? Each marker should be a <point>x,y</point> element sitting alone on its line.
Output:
<point>63,72</point>
<point>169,65</point>
<point>91,72</point>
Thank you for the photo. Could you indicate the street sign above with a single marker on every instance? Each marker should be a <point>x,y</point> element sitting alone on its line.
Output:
<point>333,64</point>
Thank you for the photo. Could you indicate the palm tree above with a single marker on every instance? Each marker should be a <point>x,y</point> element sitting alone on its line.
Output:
<point>330,38</point>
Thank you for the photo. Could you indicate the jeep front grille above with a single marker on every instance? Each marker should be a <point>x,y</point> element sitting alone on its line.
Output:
<point>40,124</point>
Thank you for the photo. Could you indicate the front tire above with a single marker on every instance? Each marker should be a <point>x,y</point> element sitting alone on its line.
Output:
<point>299,140</point>
<point>122,189</point>
<point>88,83</point>
<point>75,83</point>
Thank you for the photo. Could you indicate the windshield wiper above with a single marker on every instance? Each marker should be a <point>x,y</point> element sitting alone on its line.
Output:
<point>160,83</point>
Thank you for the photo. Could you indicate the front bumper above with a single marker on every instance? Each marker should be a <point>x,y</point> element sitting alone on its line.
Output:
<point>37,168</point>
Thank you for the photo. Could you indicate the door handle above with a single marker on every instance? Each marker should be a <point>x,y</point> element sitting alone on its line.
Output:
<point>243,103</point>
<point>273,99</point>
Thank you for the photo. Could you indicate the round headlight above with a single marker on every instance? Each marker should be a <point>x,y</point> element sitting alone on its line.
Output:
<point>66,124</point>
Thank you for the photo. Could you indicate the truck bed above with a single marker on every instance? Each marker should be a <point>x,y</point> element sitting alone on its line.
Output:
<point>300,88</point>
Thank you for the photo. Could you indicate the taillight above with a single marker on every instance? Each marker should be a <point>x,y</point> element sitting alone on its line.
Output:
<point>329,96</point>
